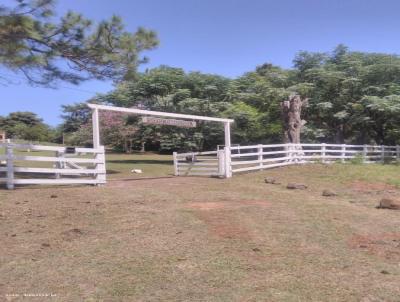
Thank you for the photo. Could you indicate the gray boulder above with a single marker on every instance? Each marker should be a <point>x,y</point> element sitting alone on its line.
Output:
<point>295,186</point>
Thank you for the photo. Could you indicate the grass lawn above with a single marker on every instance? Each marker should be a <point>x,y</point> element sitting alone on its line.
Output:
<point>155,237</point>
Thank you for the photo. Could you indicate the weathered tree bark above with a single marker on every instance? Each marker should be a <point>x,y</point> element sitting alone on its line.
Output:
<point>291,116</point>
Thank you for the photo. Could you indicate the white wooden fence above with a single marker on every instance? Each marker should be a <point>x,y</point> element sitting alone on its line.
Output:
<point>35,164</point>
<point>259,157</point>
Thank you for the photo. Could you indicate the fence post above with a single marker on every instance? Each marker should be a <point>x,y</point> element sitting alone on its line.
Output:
<point>228,169</point>
<point>397,152</point>
<point>365,153</point>
<point>343,154</point>
<point>175,157</point>
<point>59,165</point>
<point>221,162</point>
<point>260,155</point>
<point>287,154</point>
<point>291,152</point>
<point>323,152</point>
<point>101,167</point>
<point>10,166</point>
<point>382,153</point>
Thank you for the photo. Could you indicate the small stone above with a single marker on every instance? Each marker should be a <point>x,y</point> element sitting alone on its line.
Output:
<point>328,193</point>
<point>256,249</point>
<point>270,180</point>
<point>388,203</point>
<point>294,186</point>
<point>53,196</point>
<point>13,235</point>
<point>385,272</point>
<point>46,244</point>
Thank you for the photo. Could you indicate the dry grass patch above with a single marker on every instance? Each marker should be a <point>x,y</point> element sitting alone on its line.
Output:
<point>203,239</point>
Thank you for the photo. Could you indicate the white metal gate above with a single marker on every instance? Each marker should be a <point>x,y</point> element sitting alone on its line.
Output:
<point>211,163</point>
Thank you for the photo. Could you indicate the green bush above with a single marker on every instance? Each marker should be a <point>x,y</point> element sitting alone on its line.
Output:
<point>358,159</point>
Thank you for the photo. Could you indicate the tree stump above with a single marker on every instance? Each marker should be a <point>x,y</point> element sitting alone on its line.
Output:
<point>291,116</point>
<point>292,124</point>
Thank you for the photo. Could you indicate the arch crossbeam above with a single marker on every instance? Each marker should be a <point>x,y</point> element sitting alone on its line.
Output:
<point>96,130</point>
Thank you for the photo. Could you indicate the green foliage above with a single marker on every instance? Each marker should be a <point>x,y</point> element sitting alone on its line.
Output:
<point>354,97</point>
<point>172,90</point>
<point>81,137</point>
<point>248,127</point>
<point>26,126</point>
<point>74,117</point>
<point>358,159</point>
<point>72,49</point>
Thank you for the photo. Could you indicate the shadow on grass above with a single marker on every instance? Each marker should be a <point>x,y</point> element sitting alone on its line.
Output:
<point>141,178</point>
<point>141,161</point>
<point>112,171</point>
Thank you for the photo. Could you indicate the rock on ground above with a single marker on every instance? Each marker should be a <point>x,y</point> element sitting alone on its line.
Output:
<point>388,203</point>
<point>328,193</point>
<point>271,180</point>
<point>294,186</point>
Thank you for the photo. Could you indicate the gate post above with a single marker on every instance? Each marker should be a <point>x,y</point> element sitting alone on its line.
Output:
<point>221,162</point>
<point>323,152</point>
<point>343,153</point>
<point>101,166</point>
<point>59,164</point>
<point>10,166</point>
<point>175,157</point>
<point>365,153</point>
<point>228,168</point>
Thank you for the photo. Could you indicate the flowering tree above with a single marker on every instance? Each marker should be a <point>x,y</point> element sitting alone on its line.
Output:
<point>117,132</point>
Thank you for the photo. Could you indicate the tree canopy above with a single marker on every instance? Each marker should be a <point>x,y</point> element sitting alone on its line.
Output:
<point>354,97</point>
<point>72,49</point>
<point>26,126</point>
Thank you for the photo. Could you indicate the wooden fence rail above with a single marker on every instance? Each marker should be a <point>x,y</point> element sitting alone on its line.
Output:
<point>50,165</point>
<point>259,157</point>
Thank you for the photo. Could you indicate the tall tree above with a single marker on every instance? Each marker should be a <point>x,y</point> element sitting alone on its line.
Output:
<point>354,97</point>
<point>26,126</point>
<point>72,49</point>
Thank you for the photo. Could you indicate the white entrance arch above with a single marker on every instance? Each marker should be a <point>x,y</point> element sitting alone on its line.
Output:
<point>96,129</point>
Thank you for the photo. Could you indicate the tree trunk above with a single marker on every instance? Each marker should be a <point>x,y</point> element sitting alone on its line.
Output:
<point>291,116</point>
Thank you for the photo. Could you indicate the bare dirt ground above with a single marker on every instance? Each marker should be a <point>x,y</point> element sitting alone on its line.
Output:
<point>204,239</point>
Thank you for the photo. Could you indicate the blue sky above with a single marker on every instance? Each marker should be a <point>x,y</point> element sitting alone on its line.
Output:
<point>227,37</point>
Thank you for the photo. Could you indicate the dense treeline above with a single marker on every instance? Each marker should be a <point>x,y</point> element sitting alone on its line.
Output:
<point>26,126</point>
<point>354,97</point>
